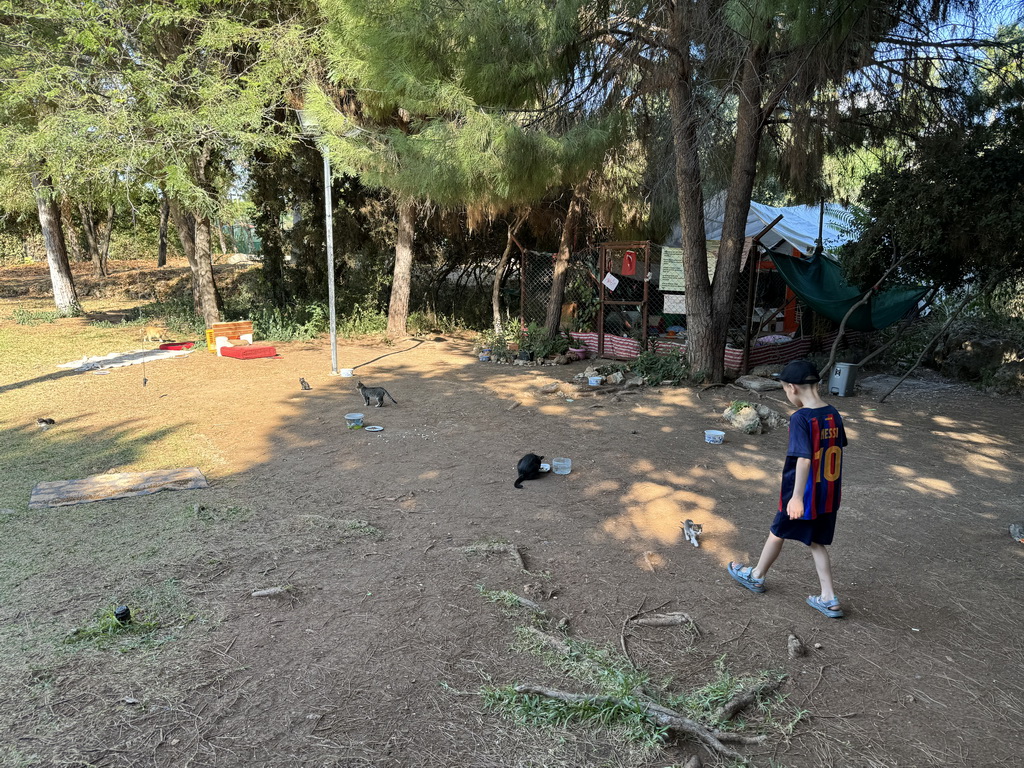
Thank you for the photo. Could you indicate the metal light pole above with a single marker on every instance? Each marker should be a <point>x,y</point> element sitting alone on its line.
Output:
<point>311,127</point>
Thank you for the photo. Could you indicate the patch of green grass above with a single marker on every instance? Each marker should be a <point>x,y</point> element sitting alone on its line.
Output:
<point>156,613</point>
<point>625,716</point>
<point>128,321</point>
<point>501,597</point>
<point>590,664</point>
<point>106,628</point>
<point>362,528</point>
<point>212,515</point>
<point>27,317</point>
<point>702,703</point>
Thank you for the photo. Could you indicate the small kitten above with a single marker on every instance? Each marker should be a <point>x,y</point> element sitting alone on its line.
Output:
<point>374,393</point>
<point>152,334</point>
<point>528,468</point>
<point>304,384</point>
<point>692,532</point>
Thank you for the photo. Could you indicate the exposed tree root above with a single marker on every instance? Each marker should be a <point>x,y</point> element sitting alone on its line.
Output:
<point>499,548</point>
<point>744,699</point>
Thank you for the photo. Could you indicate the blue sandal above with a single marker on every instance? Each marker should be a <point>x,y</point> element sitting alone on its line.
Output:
<point>830,608</point>
<point>745,576</point>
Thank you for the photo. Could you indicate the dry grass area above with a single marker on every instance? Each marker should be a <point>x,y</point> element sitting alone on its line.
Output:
<point>397,626</point>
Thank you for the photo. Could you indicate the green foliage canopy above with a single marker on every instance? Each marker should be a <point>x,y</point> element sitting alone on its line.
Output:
<point>953,206</point>
<point>445,101</point>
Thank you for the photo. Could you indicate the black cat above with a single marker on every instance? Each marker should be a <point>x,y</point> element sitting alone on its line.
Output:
<point>528,468</point>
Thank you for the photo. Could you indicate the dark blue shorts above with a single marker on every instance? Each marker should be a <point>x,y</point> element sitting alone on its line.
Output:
<point>817,531</point>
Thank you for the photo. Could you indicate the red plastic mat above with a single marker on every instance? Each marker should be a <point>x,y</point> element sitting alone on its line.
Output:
<point>247,353</point>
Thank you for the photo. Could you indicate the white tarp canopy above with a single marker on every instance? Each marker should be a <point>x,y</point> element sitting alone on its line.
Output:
<point>798,228</point>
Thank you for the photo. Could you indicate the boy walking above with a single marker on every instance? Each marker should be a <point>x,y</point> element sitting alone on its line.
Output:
<point>811,487</point>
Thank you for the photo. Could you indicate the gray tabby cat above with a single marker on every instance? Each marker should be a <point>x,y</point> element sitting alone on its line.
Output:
<point>692,532</point>
<point>374,393</point>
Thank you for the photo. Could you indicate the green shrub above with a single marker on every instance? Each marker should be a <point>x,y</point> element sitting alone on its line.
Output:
<point>362,320</point>
<point>178,314</point>
<point>656,368</point>
<point>297,323</point>
<point>428,321</point>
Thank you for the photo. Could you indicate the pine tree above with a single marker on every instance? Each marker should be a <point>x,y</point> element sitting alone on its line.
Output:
<point>734,73</point>
<point>440,103</point>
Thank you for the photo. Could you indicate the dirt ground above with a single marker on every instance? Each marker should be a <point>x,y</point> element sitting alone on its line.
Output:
<point>376,653</point>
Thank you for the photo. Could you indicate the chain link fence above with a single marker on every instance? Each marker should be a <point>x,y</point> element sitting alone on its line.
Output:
<point>529,286</point>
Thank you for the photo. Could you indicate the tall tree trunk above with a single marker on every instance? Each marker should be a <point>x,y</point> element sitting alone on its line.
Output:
<point>499,272</point>
<point>204,262</point>
<point>103,232</point>
<point>220,237</point>
<point>709,302</point>
<point>185,224</point>
<point>398,308</point>
<point>89,227</point>
<point>67,219</point>
<point>749,130</point>
<point>689,185</point>
<point>572,220</point>
<point>64,295</point>
<point>202,273</point>
<point>161,250</point>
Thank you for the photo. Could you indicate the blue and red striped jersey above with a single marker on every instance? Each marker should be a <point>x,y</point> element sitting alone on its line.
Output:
<point>816,434</point>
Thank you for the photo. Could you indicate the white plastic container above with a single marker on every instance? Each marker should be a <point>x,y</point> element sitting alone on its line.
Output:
<point>346,372</point>
<point>841,382</point>
<point>561,466</point>
<point>595,381</point>
<point>714,436</point>
<point>354,420</point>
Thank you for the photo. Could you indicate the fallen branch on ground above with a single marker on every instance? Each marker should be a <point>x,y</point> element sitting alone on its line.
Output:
<point>662,716</point>
<point>270,591</point>
<point>665,620</point>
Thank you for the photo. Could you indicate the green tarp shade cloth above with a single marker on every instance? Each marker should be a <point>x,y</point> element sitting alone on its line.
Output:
<point>119,485</point>
<point>820,284</point>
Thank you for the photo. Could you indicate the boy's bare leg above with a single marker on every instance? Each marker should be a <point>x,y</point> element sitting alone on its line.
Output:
<point>769,553</point>
<point>823,565</point>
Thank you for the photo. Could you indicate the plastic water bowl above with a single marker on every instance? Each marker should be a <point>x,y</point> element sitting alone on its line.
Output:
<point>354,420</point>
<point>346,372</point>
<point>595,381</point>
<point>714,436</point>
<point>561,466</point>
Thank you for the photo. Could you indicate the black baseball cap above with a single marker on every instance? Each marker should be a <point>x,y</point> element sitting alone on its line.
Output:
<point>800,372</point>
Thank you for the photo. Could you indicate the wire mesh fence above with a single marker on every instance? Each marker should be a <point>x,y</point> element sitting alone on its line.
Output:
<point>631,297</point>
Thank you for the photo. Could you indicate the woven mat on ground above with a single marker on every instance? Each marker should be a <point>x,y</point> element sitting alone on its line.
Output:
<point>61,493</point>
<point>120,359</point>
